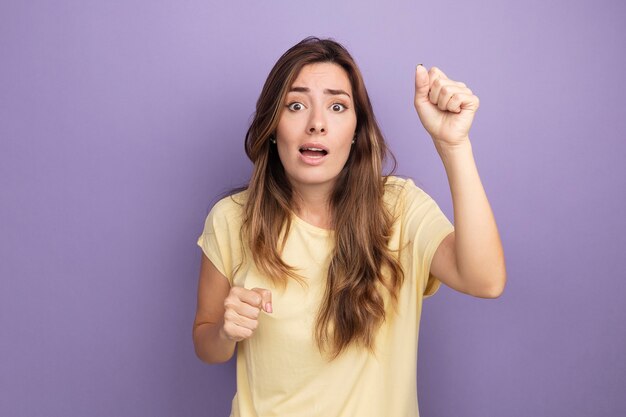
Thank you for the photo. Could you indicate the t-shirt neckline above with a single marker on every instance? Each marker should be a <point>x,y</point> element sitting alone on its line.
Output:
<point>309,226</point>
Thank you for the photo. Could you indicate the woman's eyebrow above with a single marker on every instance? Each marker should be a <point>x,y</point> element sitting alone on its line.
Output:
<point>334,92</point>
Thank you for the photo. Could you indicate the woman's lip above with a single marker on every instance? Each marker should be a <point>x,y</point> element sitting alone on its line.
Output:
<point>316,145</point>
<point>312,160</point>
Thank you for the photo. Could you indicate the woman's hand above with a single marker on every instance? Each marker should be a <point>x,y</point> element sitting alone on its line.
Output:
<point>241,311</point>
<point>445,107</point>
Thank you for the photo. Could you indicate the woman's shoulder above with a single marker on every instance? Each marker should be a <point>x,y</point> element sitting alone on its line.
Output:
<point>232,200</point>
<point>395,181</point>
<point>396,186</point>
<point>229,207</point>
<point>400,190</point>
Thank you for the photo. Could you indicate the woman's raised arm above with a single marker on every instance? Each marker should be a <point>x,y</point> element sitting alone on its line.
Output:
<point>471,259</point>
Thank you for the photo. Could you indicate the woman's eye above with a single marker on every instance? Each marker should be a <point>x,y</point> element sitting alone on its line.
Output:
<point>337,107</point>
<point>295,106</point>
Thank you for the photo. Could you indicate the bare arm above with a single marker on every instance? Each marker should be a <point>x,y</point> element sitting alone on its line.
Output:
<point>470,259</point>
<point>210,342</point>
<point>225,314</point>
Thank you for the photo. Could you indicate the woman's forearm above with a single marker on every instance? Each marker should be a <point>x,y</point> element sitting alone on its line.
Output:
<point>211,344</point>
<point>479,253</point>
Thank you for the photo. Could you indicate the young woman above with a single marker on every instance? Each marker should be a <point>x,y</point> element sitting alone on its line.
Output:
<point>318,269</point>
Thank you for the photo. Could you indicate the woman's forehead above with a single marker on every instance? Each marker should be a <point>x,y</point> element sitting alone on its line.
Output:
<point>322,74</point>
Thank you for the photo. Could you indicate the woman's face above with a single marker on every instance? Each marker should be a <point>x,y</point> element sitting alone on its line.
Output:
<point>316,125</point>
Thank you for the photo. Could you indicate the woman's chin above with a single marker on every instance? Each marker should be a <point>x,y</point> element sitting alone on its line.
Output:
<point>313,179</point>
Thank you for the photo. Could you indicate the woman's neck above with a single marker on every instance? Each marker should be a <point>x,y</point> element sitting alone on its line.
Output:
<point>311,204</point>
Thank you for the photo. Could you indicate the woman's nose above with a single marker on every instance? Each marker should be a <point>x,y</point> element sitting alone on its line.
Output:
<point>317,122</point>
<point>318,128</point>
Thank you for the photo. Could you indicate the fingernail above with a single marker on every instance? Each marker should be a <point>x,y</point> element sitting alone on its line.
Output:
<point>268,307</point>
<point>418,66</point>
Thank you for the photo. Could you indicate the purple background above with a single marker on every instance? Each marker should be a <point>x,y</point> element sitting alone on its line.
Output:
<point>122,121</point>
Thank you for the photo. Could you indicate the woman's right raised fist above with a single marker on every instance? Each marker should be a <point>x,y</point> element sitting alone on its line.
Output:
<point>241,311</point>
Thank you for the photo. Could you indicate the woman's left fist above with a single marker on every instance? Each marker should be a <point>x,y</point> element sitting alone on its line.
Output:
<point>445,107</point>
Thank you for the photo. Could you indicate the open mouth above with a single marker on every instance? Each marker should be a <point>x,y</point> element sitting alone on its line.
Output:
<point>312,152</point>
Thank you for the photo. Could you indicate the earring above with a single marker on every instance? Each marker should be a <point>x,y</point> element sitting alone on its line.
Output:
<point>353,139</point>
<point>273,140</point>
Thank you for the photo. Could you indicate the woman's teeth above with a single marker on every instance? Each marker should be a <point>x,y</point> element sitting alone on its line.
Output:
<point>313,152</point>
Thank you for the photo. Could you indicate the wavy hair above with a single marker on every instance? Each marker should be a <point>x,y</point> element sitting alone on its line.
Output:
<point>362,266</point>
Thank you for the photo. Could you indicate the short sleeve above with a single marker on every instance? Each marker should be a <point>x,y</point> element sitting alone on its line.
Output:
<point>426,227</point>
<point>220,237</point>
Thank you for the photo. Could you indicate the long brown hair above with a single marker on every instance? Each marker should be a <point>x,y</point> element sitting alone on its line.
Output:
<point>353,307</point>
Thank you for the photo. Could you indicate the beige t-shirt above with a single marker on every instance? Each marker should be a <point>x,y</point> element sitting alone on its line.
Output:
<point>280,371</point>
